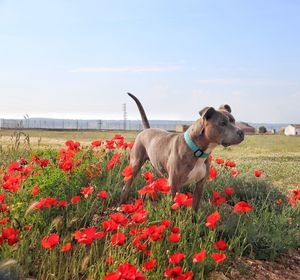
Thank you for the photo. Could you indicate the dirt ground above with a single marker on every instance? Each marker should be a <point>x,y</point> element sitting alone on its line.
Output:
<point>285,268</point>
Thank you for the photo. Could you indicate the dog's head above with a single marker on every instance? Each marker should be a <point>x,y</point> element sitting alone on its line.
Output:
<point>219,126</point>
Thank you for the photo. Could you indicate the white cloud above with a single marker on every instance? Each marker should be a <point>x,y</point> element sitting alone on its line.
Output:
<point>135,69</point>
<point>256,82</point>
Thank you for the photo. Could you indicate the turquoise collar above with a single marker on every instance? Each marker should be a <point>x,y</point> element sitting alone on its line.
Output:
<point>197,151</point>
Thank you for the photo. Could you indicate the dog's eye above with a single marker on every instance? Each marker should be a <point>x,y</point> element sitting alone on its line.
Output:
<point>223,123</point>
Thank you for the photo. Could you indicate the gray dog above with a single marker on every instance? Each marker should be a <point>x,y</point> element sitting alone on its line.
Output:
<point>183,158</point>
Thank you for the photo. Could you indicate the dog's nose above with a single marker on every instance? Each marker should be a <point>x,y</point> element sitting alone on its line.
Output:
<point>241,133</point>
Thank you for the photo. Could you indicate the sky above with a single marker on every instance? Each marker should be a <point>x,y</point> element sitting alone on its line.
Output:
<point>77,59</point>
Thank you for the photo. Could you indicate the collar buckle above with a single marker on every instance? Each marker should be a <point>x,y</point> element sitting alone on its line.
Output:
<point>196,150</point>
<point>198,153</point>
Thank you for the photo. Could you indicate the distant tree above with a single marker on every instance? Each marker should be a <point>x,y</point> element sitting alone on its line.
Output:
<point>262,129</point>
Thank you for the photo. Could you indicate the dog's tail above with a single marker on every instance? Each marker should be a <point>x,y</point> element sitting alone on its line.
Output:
<point>142,111</point>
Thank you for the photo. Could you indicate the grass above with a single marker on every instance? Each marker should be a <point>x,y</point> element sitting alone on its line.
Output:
<point>277,155</point>
<point>266,232</point>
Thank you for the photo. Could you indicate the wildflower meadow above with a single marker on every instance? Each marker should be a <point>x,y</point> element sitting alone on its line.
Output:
<point>60,216</point>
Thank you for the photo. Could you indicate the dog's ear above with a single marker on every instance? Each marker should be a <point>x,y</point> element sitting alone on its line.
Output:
<point>225,107</point>
<point>207,112</point>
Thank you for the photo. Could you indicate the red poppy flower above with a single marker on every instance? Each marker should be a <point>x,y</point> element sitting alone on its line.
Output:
<point>128,208</point>
<point>62,203</point>
<point>154,232</point>
<point>67,247</point>
<point>129,272</point>
<point>294,197</point>
<point>28,170</point>
<point>235,173</point>
<point>112,276</point>
<point>221,245</point>
<point>87,235</point>
<point>230,163</point>
<point>217,199</point>
<point>50,241</point>
<point>46,202</point>
<point>181,199</point>
<point>162,186</point>
<point>173,273</point>
<point>140,216</point>
<point>87,191</point>
<point>115,159</point>
<point>3,207</point>
<point>118,239</point>
<point>75,199</point>
<point>11,235</point>
<point>109,144</point>
<point>166,223</point>
<point>218,257</point>
<point>127,173</point>
<point>148,253</point>
<point>242,206</point>
<point>119,218</point>
<point>149,265</point>
<point>96,143</point>
<point>28,227</point>
<point>118,136</point>
<point>148,176</point>
<point>175,237</point>
<point>12,183</point>
<point>35,190</point>
<point>138,244</point>
<point>4,221</point>
<point>212,220</point>
<point>176,258</point>
<point>2,197</point>
<point>257,173</point>
<point>149,189</point>
<point>109,225</point>
<point>102,194</point>
<point>13,167</point>
<point>199,257</point>
<point>175,229</point>
<point>279,201</point>
<point>229,191</point>
<point>212,173</point>
<point>73,145</point>
<point>296,194</point>
<point>219,160</point>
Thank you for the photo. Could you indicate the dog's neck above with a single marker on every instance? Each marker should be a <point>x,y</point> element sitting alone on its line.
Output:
<point>204,144</point>
<point>198,136</point>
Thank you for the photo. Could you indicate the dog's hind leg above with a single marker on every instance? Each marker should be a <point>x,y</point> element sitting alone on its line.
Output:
<point>138,157</point>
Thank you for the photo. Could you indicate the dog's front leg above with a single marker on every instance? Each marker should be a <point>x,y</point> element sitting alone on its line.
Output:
<point>125,191</point>
<point>176,183</point>
<point>196,198</point>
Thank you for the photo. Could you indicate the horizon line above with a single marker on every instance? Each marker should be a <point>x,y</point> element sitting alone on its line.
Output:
<point>135,120</point>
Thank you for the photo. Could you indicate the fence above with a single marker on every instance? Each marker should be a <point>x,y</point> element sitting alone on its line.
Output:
<point>65,124</point>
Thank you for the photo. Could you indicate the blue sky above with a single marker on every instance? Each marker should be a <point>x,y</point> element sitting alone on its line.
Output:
<point>68,58</point>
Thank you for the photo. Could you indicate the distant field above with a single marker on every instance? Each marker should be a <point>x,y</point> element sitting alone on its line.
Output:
<point>277,155</point>
<point>58,138</point>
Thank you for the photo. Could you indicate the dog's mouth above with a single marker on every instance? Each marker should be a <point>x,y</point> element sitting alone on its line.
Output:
<point>225,145</point>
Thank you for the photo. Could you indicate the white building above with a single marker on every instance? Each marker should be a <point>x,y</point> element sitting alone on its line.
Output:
<point>292,129</point>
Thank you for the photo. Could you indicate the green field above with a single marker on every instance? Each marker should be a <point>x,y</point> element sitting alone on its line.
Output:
<point>52,197</point>
<point>277,155</point>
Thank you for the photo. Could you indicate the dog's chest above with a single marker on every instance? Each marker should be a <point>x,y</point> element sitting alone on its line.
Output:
<point>198,172</point>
